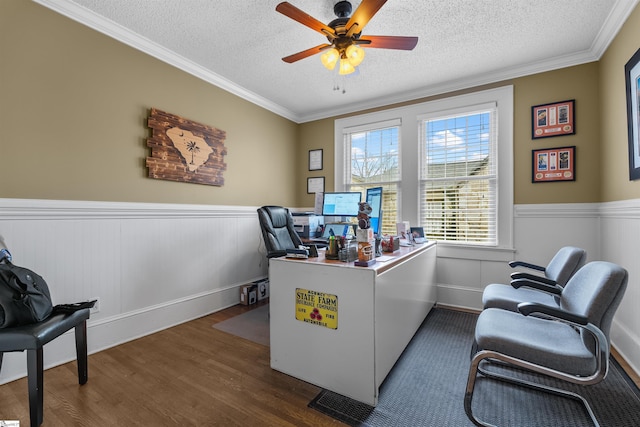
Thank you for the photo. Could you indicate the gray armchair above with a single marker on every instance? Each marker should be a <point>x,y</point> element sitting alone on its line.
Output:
<point>278,232</point>
<point>569,342</point>
<point>544,287</point>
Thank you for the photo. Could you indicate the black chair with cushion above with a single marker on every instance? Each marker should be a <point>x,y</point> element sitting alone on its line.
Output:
<point>544,287</point>
<point>278,231</point>
<point>32,338</point>
<point>570,342</point>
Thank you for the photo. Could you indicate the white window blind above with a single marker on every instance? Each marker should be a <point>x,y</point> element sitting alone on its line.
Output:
<point>372,159</point>
<point>458,175</point>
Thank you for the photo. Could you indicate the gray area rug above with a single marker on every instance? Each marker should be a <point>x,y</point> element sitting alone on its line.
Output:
<point>252,325</point>
<point>426,388</point>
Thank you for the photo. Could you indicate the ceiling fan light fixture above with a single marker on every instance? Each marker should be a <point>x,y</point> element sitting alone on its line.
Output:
<point>355,54</point>
<point>330,58</point>
<point>346,67</point>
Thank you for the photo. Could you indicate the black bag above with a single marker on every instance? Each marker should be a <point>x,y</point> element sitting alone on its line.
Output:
<point>24,296</point>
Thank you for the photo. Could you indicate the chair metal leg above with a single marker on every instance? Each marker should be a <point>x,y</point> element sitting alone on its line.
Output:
<point>81,352</point>
<point>490,357</point>
<point>35,384</point>
<point>468,395</point>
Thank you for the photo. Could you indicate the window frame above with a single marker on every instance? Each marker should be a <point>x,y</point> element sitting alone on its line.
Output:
<point>347,135</point>
<point>410,151</point>
<point>491,175</point>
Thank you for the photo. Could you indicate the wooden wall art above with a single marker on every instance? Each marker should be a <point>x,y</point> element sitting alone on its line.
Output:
<point>185,151</point>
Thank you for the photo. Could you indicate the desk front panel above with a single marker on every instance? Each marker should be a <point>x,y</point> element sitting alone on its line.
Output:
<point>379,309</point>
<point>336,359</point>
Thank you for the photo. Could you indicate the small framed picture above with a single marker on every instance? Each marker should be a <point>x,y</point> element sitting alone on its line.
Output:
<point>417,235</point>
<point>315,160</point>
<point>554,164</point>
<point>555,119</point>
<point>417,232</point>
<point>632,82</point>
<point>315,185</point>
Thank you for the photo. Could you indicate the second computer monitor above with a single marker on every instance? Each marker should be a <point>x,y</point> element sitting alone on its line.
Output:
<point>374,198</point>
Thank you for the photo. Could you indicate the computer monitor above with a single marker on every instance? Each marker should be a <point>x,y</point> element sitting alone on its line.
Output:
<point>374,198</point>
<point>341,204</point>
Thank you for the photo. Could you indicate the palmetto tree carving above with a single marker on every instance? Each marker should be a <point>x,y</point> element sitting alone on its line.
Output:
<point>193,148</point>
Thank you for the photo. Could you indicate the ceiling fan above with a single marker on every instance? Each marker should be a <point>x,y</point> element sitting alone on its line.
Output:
<point>343,34</point>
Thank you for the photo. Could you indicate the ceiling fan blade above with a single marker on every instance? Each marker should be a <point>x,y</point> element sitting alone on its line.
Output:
<point>362,15</point>
<point>305,53</point>
<point>296,14</point>
<point>388,42</point>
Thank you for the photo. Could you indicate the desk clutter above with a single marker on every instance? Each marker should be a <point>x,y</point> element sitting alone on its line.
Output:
<point>341,248</point>
<point>360,242</point>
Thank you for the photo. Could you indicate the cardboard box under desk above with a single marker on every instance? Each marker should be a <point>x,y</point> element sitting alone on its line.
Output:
<point>248,294</point>
<point>262,290</point>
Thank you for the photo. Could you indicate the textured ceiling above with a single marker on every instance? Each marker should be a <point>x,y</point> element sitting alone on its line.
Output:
<point>238,45</point>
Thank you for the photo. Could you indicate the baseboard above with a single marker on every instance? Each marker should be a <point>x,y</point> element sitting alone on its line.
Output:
<point>626,344</point>
<point>459,296</point>
<point>109,332</point>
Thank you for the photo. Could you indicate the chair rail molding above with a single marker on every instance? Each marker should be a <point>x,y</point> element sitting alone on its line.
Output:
<point>151,265</point>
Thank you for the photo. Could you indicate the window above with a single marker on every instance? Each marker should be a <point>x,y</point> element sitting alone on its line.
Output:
<point>452,170</point>
<point>458,176</point>
<point>373,154</point>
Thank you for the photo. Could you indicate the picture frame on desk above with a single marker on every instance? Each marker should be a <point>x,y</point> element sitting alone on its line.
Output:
<point>315,184</point>
<point>417,235</point>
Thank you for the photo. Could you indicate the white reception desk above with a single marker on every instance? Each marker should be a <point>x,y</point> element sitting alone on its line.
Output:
<point>343,327</point>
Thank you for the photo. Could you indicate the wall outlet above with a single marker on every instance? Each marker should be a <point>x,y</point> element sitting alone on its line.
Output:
<point>96,307</point>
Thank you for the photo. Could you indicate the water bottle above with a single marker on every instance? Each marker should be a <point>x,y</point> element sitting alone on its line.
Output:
<point>4,252</point>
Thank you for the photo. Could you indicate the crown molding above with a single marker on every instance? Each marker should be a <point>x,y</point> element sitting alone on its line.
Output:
<point>109,28</point>
<point>612,25</point>
<point>619,14</point>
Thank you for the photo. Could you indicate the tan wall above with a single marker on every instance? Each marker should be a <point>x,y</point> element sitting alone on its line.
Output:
<point>315,135</point>
<point>73,115</point>
<point>579,83</point>
<point>74,104</point>
<point>615,147</point>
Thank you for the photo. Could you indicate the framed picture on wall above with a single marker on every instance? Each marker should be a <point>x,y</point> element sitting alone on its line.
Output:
<point>553,164</point>
<point>315,185</point>
<point>632,80</point>
<point>315,160</point>
<point>555,119</point>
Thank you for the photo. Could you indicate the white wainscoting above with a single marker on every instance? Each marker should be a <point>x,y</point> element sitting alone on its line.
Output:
<point>607,231</point>
<point>157,265</point>
<point>539,231</point>
<point>620,243</point>
<point>151,265</point>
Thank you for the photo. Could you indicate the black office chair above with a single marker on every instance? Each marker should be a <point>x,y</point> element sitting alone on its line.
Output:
<point>278,232</point>
<point>544,287</point>
<point>32,338</point>
<point>570,343</point>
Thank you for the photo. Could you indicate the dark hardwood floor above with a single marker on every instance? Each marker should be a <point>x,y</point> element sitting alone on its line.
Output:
<point>188,375</point>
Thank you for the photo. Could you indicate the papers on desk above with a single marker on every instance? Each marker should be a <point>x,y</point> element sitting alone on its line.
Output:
<point>384,258</point>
